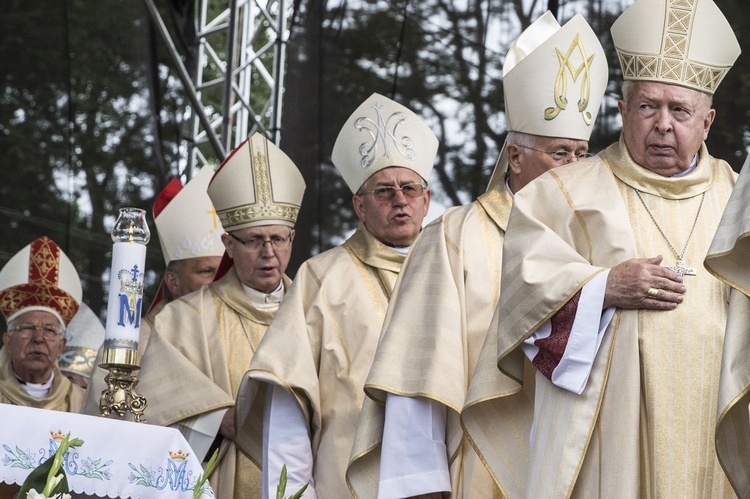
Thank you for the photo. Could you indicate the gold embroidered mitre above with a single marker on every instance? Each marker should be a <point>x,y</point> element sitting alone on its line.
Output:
<point>680,42</point>
<point>186,220</point>
<point>379,134</point>
<point>554,79</point>
<point>257,185</point>
<point>40,277</point>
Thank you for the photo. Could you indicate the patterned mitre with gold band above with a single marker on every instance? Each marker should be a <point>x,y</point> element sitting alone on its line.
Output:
<point>554,79</point>
<point>40,277</point>
<point>379,134</point>
<point>257,185</point>
<point>186,219</point>
<point>85,335</point>
<point>681,42</point>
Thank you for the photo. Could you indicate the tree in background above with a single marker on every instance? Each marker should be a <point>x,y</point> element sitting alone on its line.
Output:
<point>93,117</point>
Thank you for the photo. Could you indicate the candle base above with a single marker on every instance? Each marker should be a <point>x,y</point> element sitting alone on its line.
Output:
<point>120,395</point>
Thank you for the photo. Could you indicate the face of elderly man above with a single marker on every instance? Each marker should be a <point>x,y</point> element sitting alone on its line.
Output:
<point>527,162</point>
<point>260,254</point>
<point>188,275</point>
<point>664,125</point>
<point>392,204</point>
<point>34,349</point>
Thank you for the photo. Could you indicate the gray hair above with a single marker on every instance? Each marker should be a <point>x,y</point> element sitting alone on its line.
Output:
<point>521,139</point>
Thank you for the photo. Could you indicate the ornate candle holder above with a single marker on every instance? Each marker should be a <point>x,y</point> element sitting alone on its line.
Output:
<point>130,235</point>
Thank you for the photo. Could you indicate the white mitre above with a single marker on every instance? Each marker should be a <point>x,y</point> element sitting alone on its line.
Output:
<point>379,134</point>
<point>554,79</point>
<point>85,335</point>
<point>681,42</point>
<point>186,220</point>
<point>257,185</point>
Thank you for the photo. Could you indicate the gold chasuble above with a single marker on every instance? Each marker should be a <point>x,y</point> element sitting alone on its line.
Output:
<point>644,424</point>
<point>198,351</point>
<point>729,260</point>
<point>320,347</point>
<point>64,396</point>
<point>432,335</point>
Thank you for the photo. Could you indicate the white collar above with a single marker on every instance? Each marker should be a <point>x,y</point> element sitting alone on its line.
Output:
<point>37,390</point>
<point>265,300</point>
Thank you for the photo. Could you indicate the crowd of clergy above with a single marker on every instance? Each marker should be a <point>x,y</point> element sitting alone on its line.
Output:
<point>612,364</point>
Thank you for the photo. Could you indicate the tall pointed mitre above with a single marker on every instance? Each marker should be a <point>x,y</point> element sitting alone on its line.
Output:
<point>40,277</point>
<point>379,134</point>
<point>257,185</point>
<point>186,220</point>
<point>681,42</point>
<point>85,335</point>
<point>554,80</point>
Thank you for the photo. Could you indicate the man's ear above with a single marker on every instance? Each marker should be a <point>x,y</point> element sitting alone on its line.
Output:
<point>359,207</point>
<point>170,280</point>
<point>514,158</point>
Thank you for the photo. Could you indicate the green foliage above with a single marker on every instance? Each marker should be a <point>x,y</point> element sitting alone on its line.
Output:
<point>199,489</point>
<point>281,488</point>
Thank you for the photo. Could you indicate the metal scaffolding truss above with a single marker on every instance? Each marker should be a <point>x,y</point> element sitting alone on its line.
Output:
<point>238,85</point>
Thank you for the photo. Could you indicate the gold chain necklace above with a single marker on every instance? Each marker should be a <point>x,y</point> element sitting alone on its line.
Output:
<point>680,266</point>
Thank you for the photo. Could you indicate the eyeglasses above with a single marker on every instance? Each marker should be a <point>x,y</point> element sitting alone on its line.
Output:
<point>388,192</point>
<point>562,157</point>
<point>258,243</point>
<point>26,331</point>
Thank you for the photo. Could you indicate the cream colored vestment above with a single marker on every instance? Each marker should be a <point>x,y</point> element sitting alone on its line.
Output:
<point>64,395</point>
<point>199,348</point>
<point>729,260</point>
<point>320,347</point>
<point>644,425</point>
<point>432,335</point>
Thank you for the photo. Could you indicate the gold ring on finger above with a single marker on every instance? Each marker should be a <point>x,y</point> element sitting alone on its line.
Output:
<point>653,292</point>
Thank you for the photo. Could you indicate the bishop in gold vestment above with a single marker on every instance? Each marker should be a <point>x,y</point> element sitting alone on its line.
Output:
<point>646,416</point>
<point>199,349</point>
<point>326,350</point>
<point>202,343</point>
<point>318,350</point>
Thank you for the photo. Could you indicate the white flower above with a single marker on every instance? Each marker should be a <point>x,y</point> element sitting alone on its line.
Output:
<point>33,494</point>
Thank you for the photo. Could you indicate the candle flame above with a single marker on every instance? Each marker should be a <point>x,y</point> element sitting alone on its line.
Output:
<point>130,232</point>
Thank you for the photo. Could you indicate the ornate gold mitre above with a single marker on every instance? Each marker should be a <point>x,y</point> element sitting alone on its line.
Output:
<point>40,277</point>
<point>680,42</point>
<point>257,185</point>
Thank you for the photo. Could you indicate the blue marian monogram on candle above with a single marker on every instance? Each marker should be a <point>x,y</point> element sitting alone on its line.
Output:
<point>131,296</point>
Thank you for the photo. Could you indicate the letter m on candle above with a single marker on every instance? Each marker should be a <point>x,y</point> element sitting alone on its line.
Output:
<point>130,310</point>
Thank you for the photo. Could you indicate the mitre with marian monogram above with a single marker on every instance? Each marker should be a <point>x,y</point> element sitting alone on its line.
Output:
<point>382,133</point>
<point>40,277</point>
<point>554,79</point>
<point>186,220</point>
<point>681,42</point>
<point>257,185</point>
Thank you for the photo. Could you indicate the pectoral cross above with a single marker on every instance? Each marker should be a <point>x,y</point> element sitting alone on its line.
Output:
<point>681,269</point>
